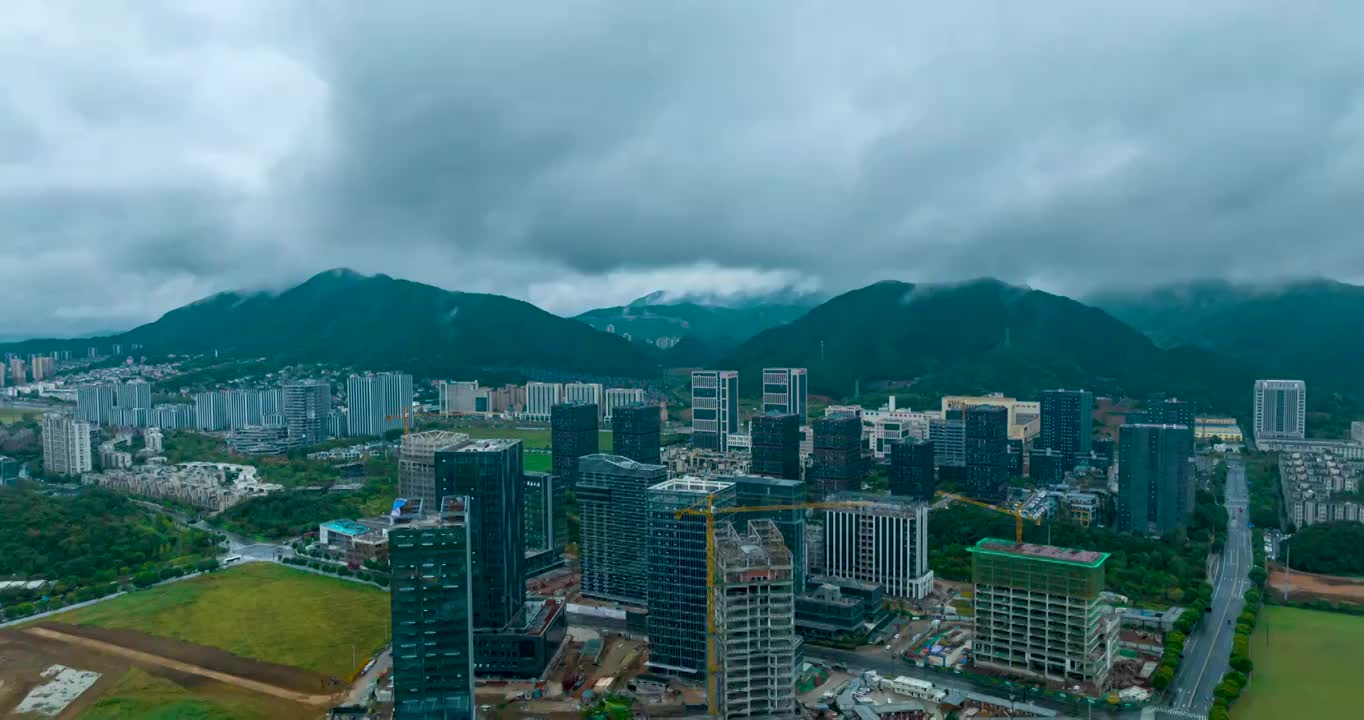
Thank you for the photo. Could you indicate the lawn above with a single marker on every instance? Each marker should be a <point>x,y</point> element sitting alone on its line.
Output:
<point>258,610</point>
<point>529,437</point>
<point>1308,666</point>
<point>13,415</point>
<point>140,696</point>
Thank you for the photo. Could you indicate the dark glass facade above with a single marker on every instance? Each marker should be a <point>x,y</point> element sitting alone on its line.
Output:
<point>432,616</point>
<point>1067,424</point>
<point>635,433</point>
<point>987,453</point>
<point>776,446</point>
<point>911,469</point>
<point>754,491</point>
<point>837,454</point>
<point>489,473</point>
<point>677,573</point>
<point>1155,478</point>
<point>611,509</point>
<point>546,520</point>
<point>572,434</point>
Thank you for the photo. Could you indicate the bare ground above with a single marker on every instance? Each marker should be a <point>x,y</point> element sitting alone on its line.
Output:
<point>1306,586</point>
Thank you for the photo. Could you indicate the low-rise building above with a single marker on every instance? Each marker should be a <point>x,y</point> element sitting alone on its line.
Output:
<point>1320,488</point>
<point>839,608</point>
<point>1219,429</point>
<point>353,542</point>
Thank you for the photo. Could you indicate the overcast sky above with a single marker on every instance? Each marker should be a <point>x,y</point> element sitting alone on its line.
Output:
<point>579,154</point>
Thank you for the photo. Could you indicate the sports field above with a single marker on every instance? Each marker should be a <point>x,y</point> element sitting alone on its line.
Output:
<point>531,437</point>
<point>11,415</point>
<point>260,611</point>
<point>1307,666</point>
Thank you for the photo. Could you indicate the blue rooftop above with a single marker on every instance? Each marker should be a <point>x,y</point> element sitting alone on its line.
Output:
<point>346,527</point>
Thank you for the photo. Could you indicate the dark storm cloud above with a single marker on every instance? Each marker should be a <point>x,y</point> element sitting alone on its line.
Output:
<point>584,153</point>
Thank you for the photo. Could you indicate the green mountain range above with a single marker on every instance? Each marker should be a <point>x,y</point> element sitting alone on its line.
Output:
<point>710,329</point>
<point>377,321</point>
<point>979,336</point>
<point>1311,329</point>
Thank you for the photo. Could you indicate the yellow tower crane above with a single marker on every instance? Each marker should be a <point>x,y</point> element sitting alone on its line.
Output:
<point>706,508</point>
<point>1013,512</point>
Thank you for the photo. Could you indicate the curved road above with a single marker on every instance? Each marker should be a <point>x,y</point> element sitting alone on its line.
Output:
<point>1208,651</point>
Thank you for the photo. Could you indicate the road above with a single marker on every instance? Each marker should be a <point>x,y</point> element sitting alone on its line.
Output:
<point>1208,651</point>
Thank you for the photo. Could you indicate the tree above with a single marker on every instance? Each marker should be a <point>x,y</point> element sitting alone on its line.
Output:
<point>1163,677</point>
<point>1243,664</point>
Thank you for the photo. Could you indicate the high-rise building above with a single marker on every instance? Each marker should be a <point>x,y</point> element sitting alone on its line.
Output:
<point>43,367</point>
<point>306,404</point>
<point>488,472</point>
<point>776,446</point>
<point>17,371</point>
<point>949,443</point>
<point>1155,478</point>
<point>911,470</point>
<point>210,410</point>
<point>1067,423</point>
<point>1171,411</point>
<point>135,394</point>
<point>572,434</point>
<point>714,408</point>
<point>636,432</point>
<point>837,454</point>
<point>580,393</point>
<point>540,398</point>
<point>987,453</point>
<point>1280,409</point>
<point>172,416</point>
<point>755,622</point>
<point>432,610</point>
<point>755,491</point>
<point>613,550</point>
<point>786,391</point>
<point>95,403</point>
<point>66,445</point>
<point>9,469</point>
<point>677,573</point>
<point>546,518</point>
<point>884,541</point>
<point>376,403</point>
<point>417,463</point>
<point>622,397</point>
<point>1040,613</point>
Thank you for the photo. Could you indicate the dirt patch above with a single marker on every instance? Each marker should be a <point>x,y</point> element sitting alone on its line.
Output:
<point>1307,586</point>
<point>143,657</point>
<point>280,676</point>
<point>23,659</point>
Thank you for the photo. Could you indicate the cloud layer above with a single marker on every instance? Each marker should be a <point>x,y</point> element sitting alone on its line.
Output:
<point>579,154</point>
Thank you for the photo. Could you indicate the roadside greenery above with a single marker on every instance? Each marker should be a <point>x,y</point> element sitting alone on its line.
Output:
<point>1329,548</point>
<point>1266,498</point>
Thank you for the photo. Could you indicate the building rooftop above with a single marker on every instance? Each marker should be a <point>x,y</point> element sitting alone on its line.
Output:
<point>876,503</point>
<point>1048,553</point>
<point>761,480</point>
<point>618,460</point>
<point>346,527</point>
<point>690,484</point>
<point>488,445</point>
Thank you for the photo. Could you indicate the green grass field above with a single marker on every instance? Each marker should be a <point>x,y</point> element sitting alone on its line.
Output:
<point>258,610</point>
<point>13,415</point>
<point>529,437</point>
<point>1308,666</point>
<point>140,696</point>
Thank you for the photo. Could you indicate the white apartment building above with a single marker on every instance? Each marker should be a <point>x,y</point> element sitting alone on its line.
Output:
<point>66,445</point>
<point>540,397</point>
<point>621,397</point>
<point>584,394</point>
<point>786,391</point>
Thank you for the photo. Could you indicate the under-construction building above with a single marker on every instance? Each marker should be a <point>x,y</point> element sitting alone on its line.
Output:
<point>417,463</point>
<point>1040,613</point>
<point>755,623</point>
<point>677,572</point>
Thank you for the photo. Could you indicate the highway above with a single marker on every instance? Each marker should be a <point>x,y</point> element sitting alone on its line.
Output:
<point>1208,650</point>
